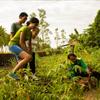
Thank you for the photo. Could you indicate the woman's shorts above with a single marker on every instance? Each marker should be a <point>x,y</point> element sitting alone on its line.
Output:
<point>15,49</point>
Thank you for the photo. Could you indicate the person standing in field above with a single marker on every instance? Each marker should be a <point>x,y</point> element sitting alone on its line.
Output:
<point>18,45</point>
<point>17,25</point>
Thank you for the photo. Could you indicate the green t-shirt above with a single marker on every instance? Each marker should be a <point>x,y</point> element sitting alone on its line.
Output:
<point>16,38</point>
<point>15,27</point>
<point>80,63</point>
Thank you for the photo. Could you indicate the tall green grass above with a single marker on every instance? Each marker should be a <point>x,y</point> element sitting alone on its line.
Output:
<point>52,84</point>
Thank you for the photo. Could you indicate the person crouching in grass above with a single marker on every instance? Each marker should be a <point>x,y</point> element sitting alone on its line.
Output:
<point>77,67</point>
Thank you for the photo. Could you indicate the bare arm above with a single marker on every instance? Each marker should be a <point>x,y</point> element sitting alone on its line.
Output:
<point>30,45</point>
<point>22,41</point>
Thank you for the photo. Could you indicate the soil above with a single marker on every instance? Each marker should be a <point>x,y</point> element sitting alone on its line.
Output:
<point>92,94</point>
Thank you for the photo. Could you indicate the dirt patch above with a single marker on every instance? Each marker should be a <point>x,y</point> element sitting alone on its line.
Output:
<point>92,94</point>
<point>6,60</point>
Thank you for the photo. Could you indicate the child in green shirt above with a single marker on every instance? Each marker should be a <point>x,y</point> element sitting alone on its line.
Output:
<point>77,67</point>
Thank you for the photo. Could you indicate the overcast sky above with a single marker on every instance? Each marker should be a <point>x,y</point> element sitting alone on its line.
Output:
<point>62,14</point>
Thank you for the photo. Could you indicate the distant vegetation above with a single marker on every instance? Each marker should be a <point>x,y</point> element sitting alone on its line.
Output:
<point>4,37</point>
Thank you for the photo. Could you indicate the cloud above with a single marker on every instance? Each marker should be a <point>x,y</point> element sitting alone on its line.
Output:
<point>66,14</point>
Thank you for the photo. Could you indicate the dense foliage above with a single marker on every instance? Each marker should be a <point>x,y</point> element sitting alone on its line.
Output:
<point>4,37</point>
<point>91,35</point>
<point>52,83</point>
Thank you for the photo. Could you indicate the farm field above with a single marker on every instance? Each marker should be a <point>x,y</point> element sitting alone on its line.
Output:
<point>52,83</point>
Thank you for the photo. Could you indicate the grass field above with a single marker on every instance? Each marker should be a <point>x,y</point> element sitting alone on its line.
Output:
<point>52,83</point>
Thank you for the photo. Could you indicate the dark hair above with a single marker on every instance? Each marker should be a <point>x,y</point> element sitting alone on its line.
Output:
<point>71,54</point>
<point>27,23</point>
<point>34,20</point>
<point>22,14</point>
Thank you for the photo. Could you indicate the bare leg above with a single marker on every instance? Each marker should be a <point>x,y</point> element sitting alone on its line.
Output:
<point>25,59</point>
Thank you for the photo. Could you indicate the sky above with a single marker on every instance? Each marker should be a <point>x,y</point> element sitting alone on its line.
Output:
<point>62,14</point>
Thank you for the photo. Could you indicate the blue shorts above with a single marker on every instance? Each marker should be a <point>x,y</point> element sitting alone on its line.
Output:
<point>16,50</point>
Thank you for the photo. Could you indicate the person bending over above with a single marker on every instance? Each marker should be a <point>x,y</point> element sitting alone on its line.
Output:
<point>18,45</point>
